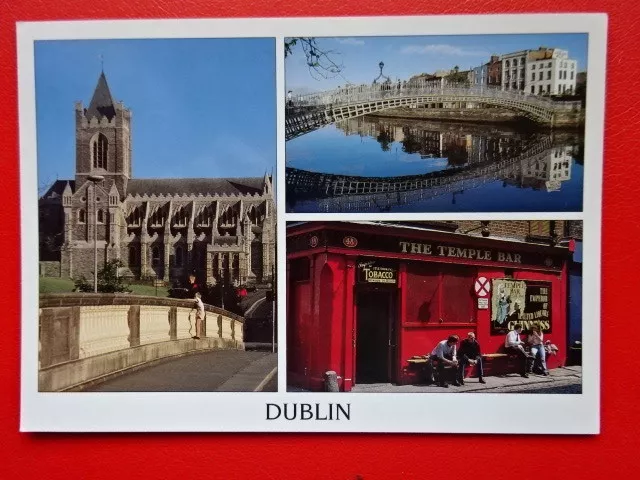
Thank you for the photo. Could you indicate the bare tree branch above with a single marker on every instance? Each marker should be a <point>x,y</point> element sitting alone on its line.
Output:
<point>320,62</point>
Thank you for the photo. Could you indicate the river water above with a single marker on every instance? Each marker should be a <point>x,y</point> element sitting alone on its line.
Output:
<point>529,169</point>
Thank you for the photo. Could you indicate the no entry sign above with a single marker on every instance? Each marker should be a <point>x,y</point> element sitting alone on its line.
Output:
<point>482,287</point>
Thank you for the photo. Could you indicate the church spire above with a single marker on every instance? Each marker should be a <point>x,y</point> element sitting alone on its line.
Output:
<point>102,102</point>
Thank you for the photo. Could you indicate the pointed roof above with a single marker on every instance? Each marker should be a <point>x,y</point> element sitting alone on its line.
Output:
<point>102,102</point>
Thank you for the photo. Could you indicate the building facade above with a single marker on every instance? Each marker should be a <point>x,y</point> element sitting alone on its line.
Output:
<point>363,298</point>
<point>480,76</point>
<point>514,66</point>
<point>219,228</point>
<point>550,71</point>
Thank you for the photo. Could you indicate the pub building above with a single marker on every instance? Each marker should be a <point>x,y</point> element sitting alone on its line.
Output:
<point>363,298</point>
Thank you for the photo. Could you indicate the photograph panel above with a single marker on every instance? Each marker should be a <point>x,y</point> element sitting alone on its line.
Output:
<point>417,307</point>
<point>157,218</point>
<point>463,123</point>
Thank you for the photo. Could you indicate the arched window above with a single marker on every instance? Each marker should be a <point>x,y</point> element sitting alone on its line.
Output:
<point>155,256</point>
<point>133,256</point>
<point>99,148</point>
<point>82,216</point>
<point>179,256</point>
<point>100,216</point>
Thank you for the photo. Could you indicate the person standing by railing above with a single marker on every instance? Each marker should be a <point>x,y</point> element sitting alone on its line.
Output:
<point>199,308</point>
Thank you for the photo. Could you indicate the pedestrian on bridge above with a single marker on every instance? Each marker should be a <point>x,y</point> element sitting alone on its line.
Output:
<point>199,308</point>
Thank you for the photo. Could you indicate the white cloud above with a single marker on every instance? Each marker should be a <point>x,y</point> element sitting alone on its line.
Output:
<point>350,41</point>
<point>442,49</point>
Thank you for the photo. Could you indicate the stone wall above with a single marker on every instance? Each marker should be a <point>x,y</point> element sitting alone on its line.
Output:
<point>50,269</point>
<point>516,229</point>
<point>84,337</point>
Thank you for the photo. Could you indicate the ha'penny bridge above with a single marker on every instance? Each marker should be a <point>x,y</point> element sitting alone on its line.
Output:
<point>306,113</point>
<point>335,193</point>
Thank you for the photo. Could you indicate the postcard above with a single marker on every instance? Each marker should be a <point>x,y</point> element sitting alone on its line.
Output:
<point>323,225</point>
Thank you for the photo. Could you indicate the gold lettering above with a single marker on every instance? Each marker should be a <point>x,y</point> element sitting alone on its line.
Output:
<point>403,246</point>
<point>426,249</point>
<point>501,257</point>
<point>441,250</point>
<point>461,252</point>
<point>451,251</point>
<point>415,248</point>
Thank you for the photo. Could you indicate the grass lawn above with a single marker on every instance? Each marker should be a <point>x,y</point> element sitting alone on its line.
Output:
<point>61,285</point>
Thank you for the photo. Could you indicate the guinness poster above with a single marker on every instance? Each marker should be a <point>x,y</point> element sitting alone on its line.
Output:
<point>518,301</point>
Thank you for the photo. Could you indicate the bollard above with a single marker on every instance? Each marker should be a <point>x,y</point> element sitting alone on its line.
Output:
<point>331,381</point>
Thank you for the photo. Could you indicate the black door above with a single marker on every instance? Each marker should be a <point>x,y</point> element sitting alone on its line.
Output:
<point>372,336</point>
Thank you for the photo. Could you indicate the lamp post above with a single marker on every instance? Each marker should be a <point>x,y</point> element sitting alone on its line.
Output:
<point>95,179</point>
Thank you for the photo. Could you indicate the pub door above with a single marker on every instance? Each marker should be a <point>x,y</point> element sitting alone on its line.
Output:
<point>375,335</point>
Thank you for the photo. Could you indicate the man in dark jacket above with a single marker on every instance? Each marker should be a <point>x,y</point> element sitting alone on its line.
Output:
<point>469,354</point>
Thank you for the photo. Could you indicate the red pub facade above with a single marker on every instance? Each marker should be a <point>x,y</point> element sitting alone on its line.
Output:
<point>363,298</point>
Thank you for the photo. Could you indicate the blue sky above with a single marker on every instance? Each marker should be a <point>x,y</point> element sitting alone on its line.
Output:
<point>407,56</point>
<point>200,107</point>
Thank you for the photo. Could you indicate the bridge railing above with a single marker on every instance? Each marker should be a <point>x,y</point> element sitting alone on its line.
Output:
<point>368,93</point>
<point>89,336</point>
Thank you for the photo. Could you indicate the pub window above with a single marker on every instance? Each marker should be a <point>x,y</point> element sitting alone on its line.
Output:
<point>455,296</point>
<point>548,74</point>
<point>82,216</point>
<point>100,216</point>
<point>443,293</point>
<point>540,75</point>
<point>300,270</point>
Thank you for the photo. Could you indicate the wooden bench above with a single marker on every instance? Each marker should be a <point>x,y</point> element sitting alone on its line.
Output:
<point>421,362</point>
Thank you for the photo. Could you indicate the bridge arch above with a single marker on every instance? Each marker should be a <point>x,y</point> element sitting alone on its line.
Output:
<point>311,112</point>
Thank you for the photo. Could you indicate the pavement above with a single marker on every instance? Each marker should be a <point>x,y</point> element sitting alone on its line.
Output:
<point>560,380</point>
<point>213,371</point>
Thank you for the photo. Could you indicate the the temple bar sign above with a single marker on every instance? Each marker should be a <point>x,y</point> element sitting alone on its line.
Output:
<point>375,272</point>
<point>448,251</point>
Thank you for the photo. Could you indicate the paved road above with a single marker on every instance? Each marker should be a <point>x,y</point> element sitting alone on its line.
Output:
<point>216,371</point>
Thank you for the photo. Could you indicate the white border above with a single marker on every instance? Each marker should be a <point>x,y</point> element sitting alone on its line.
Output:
<point>240,412</point>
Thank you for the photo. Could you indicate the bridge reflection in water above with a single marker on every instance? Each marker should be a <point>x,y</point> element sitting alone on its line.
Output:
<point>455,158</point>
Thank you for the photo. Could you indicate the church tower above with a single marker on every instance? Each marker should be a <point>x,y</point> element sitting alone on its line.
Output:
<point>103,140</point>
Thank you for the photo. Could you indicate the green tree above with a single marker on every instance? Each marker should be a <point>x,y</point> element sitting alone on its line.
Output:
<point>456,76</point>
<point>108,280</point>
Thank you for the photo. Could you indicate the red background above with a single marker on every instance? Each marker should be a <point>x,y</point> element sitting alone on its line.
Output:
<point>613,453</point>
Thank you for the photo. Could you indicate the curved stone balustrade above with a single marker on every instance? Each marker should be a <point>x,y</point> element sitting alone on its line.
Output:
<point>85,337</point>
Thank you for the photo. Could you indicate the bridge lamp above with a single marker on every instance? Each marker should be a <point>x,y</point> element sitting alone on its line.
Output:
<point>94,179</point>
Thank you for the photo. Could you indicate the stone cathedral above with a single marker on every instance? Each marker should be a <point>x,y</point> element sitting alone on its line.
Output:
<point>219,228</point>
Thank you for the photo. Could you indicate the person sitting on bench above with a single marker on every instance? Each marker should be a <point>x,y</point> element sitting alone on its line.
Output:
<point>469,354</point>
<point>514,346</point>
<point>445,354</point>
<point>537,348</point>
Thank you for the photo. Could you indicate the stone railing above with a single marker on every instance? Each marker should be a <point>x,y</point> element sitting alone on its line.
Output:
<point>84,337</point>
